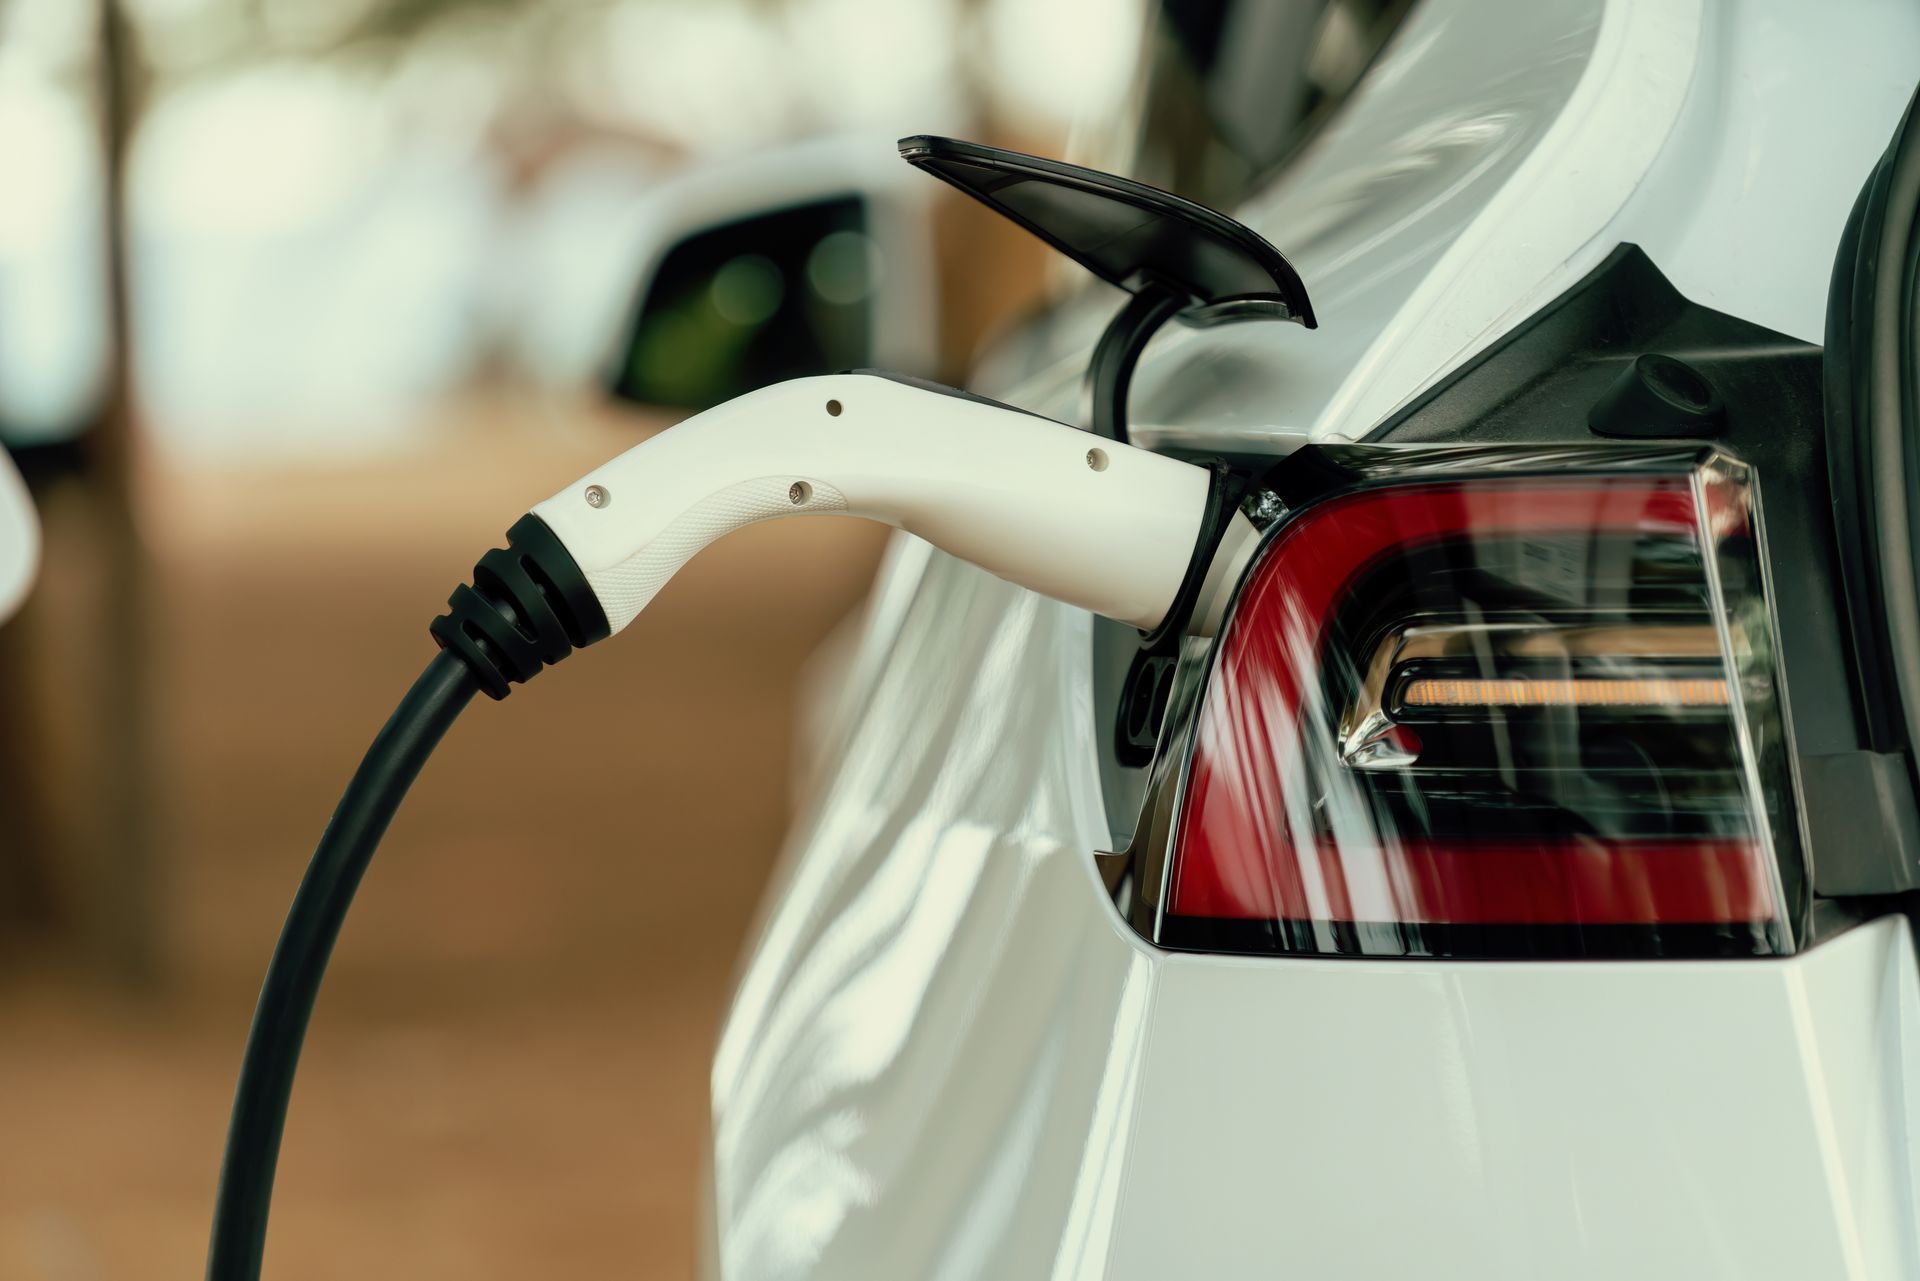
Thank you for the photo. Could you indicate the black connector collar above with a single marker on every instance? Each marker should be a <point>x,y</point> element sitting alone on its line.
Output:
<point>528,605</point>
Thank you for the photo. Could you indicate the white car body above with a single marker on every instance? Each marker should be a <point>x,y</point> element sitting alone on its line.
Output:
<point>950,1056</point>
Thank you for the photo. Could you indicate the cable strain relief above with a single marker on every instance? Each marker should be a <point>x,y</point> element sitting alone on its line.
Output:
<point>529,605</point>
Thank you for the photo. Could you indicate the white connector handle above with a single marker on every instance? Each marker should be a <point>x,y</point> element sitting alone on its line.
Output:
<point>1102,525</point>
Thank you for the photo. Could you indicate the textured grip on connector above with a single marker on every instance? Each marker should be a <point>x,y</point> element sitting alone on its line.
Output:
<point>626,588</point>
<point>528,605</point>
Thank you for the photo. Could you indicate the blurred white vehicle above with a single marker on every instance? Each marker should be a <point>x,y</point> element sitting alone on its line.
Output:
<point>807,257</point>
<point>1545,913</point>
<point>19,539</point>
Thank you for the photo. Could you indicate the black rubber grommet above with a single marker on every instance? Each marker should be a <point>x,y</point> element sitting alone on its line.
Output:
<point>1658,397</point>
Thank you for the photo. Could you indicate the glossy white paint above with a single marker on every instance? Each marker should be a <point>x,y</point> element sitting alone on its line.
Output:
<point>911,1074</point>
<point>1465,187</point>
<point>1668,1120</point>
<point>1790,108</point>
<point>948,1057</point>
<point>19,539</point>
<point>1389,208</point>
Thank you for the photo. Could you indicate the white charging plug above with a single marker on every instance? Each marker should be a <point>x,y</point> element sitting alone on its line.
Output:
<point>1098,524</point>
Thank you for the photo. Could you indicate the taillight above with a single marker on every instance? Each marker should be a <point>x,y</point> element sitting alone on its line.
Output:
<point>1494,715</point>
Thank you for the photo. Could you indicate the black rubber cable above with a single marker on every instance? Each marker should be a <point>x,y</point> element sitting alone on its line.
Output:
<point>300,959</point>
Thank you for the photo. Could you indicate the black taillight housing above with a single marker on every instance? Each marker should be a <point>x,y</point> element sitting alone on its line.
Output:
<point>1487,702</point>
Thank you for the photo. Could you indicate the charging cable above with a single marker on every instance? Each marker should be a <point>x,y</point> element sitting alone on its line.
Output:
<point>1092,522</point>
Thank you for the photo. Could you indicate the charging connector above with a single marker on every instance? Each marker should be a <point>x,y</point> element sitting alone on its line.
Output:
<point>1093,522</point>
<point>1096,523</point>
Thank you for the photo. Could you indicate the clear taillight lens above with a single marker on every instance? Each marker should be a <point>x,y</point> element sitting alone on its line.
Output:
<point>1494,716</point>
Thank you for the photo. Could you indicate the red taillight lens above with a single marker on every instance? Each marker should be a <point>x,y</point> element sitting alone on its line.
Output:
<point>1491,717</point>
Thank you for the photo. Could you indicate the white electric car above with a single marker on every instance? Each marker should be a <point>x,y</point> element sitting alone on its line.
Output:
<point>1515,888</point>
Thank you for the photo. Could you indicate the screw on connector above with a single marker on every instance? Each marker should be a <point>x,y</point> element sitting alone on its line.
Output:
<point>597,496</point>
<point>799,492</point>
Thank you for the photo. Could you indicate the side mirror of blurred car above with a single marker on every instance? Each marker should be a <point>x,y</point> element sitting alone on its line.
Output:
<point>808,259</point>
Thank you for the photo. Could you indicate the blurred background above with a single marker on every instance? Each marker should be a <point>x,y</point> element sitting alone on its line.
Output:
<point>302,302</point>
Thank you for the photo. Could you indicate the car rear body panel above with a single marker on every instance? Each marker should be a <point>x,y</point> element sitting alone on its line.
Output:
<point>949,1056</point>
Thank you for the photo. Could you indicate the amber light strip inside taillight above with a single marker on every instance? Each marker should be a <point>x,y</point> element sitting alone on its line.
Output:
<point>1572,691</point>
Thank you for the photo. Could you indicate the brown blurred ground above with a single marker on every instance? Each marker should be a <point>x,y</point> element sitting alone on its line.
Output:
<point>507,1072</point>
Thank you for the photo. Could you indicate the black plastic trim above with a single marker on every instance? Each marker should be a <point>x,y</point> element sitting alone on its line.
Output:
<point>1143,700</point>
<point>1143,235</point>
<point>1873,409</point>
<point>1110,373</point>
<point>1870,795</point>
<point>1497,942</point>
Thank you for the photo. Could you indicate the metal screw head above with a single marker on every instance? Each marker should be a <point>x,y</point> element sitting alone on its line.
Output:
<point>1263,507</point>
<point>597,496</point>
<point>799,492</point>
